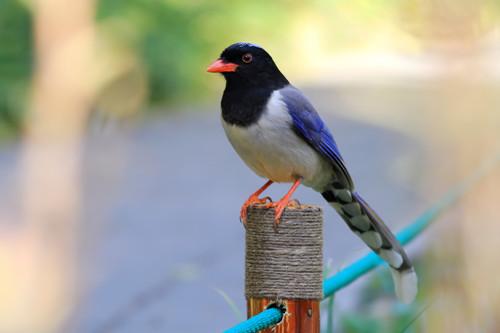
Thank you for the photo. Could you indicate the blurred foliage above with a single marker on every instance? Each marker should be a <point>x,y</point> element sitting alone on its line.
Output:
<point>154,52</point>
<point>174,41</point>
<point>378,311</point>
<point>15,64</point>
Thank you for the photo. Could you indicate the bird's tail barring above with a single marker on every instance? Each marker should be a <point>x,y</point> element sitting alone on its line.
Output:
<point>365,223</point>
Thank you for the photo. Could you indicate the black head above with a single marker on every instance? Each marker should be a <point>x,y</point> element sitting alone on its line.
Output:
<point>245,64</point>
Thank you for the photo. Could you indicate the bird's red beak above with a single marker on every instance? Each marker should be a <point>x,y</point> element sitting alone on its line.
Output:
<point>219,66</point>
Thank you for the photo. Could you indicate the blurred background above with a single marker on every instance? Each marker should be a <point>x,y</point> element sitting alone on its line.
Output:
<point>119,194</point>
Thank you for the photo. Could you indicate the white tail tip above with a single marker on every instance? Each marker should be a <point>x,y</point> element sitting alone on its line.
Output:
<point>405,284</point>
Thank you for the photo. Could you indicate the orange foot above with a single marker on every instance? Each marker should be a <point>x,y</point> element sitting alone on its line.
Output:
<point>279,206</point>
<point>254,199</point>
<point>250,201</point>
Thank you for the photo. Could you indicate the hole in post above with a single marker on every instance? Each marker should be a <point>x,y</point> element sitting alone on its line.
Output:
<point>280,306</point>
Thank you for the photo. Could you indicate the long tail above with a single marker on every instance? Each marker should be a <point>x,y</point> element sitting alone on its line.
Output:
<point>365,223</point>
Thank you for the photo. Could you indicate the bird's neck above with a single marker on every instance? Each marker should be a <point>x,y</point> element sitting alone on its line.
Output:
<point>244,102</point>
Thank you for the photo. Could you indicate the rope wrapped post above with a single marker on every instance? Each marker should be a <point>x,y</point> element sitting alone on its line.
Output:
<point>284,266</point>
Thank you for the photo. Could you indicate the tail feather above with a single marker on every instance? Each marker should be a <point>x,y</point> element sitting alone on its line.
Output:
<point>365,223</point>
<point>405,284</point>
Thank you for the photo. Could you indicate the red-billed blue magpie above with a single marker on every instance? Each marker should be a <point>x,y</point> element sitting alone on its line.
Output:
<point>281,137</point>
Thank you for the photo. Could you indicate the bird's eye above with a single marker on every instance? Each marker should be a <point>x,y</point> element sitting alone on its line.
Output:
<point>247,58</point>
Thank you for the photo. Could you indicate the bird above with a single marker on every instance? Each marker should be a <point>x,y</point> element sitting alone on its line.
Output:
<point>279,135</point>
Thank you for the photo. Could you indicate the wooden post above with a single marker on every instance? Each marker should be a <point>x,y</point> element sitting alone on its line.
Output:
<point>284,266</point>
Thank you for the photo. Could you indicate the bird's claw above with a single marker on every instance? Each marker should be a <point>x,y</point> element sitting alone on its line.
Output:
<point>253,199</point>
<point>279,208</point>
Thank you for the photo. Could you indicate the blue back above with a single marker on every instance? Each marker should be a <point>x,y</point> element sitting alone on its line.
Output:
<point>308,125</point>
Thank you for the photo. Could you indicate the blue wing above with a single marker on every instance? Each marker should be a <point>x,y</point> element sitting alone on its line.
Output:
<point>309,126</point>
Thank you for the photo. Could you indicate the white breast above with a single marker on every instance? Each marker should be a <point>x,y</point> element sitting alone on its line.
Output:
<point>272,149</point>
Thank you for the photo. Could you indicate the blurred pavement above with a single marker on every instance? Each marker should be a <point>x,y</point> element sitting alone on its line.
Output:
<point>161,230</point>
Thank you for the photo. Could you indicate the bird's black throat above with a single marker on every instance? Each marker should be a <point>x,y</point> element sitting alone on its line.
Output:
<point>243,101</point>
